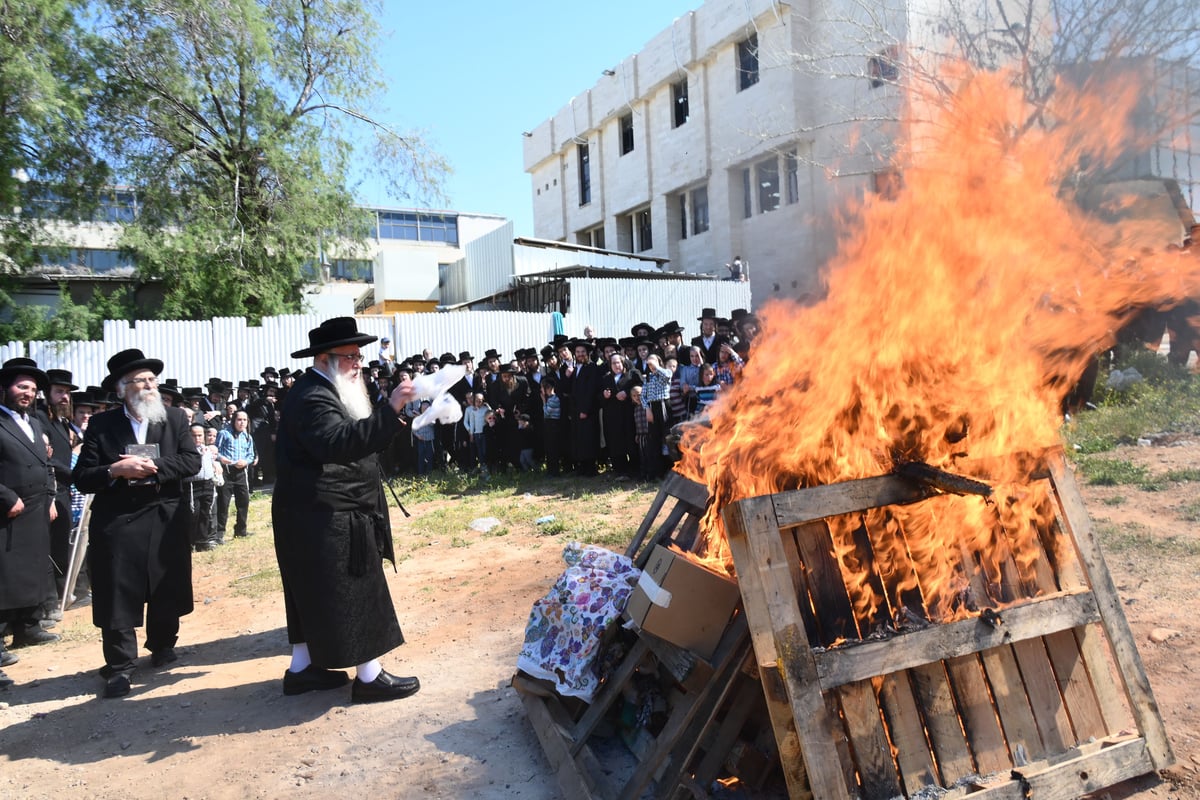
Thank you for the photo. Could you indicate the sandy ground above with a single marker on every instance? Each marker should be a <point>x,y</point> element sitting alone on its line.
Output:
<point>216,725</point>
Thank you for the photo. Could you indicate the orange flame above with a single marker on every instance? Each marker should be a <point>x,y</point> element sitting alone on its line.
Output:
<point>945,314</point>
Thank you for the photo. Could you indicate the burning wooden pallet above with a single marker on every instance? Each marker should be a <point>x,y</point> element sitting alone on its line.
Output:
<point>1044,697</point>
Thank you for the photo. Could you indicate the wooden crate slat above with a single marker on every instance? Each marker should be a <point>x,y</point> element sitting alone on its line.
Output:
<point>913,758</point>
<point>1065,780</point>
<point>1076,686</point>
<point>834,614</point>
<point>777,630</point>
<point>1060,611</point>
<point>745,700</point>
<point>984,736</point>
<point>1116,627</point>
<point>872,750</point>
<point>690,492</point>
<point>662,534</point>
<point>941,721</point>
<point>660,499</point>
<point>574,780</point>
<point>800,582</point>
<point>1044,698</point>
<point>1012,704</point>
<point>607,695</point>
<point>1101,670</point>
<point>808,505</point>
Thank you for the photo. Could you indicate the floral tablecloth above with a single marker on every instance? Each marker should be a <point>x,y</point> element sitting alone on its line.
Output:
<point>563,634</point>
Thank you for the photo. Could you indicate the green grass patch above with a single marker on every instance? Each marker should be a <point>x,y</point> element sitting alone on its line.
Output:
<point>1134,537</point>
<point>264,582</point>
<point>1190,511</point>
<point>1115,500</point>
<point>1168,400</point>
<point>1111,471</point>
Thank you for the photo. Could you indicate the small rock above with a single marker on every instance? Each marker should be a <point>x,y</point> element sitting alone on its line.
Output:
<point>3,706</point>
<point>1160,635</point>
<point>186,704</point>
<point>126,745</point>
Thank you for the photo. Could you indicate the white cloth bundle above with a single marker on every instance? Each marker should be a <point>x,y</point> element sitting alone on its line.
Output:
<point>443,407</point>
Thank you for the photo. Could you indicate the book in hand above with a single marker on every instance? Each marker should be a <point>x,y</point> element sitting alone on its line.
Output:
<point>144,451</point>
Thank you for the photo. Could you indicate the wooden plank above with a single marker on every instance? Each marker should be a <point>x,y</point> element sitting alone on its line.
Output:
<point>941,721</point>
<point>1053,724</point>
<point>664,532</point>
<point>1075,686</point>
<point>1062,611</point>
<point>736,714</point>
<point>1105,678</point>
<point>1112,617</point>
<point>799,717</point>
<point>647,521</point>
<point>1074,778</point>
<point>1012,704</point>
<point>872,751</point>
<point>830,603</point>
<point>984,736</point>
<point>572,779</point>
<point>690,492</point>
<point>679,719</point>
<point>913,758</point>
<point>607,695</point>
<point>800,583</point>
<point>809,505</point>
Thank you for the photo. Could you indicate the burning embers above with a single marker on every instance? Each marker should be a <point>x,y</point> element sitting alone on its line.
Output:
<point>953,323</point>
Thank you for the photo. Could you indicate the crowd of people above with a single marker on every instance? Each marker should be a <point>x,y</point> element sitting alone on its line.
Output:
<point>584,406</point>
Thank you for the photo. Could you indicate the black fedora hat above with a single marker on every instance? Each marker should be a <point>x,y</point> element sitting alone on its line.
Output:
<point>447,359</point>
<point>491,353</point>
<point>214,383</point>
<point>559,340</point>
<point>84,399</point>
<point>331,333</point>
<point>670,327</point>
<point>128,361</point>
<point>707,313</point>
<point>171,391</point>
<point>61,377</point>
<point>641,326</point>
<point>23,366</point>
<point>465,356</point>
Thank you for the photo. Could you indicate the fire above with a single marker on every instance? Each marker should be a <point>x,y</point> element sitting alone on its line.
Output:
<point>947,311</point>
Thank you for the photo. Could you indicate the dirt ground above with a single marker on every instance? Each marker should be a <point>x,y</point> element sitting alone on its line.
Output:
<point>216,725</point>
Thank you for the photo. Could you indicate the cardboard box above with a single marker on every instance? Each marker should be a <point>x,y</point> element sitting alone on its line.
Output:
<point>683,602</point>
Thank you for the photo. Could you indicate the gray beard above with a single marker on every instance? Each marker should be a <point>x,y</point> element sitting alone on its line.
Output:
<point>353,396</point>
<point>147,405</point>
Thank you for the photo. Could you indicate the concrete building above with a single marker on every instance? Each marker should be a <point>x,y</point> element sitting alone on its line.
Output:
<point>745,125</point>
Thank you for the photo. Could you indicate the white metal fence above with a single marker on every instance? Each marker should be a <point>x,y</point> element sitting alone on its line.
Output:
<point>228,348</point>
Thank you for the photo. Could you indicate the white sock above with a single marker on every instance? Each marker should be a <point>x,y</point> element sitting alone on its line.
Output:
<point>370,670</point>
<point>300,658</point>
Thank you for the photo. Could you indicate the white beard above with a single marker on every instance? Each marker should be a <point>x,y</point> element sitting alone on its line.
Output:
<point>353,395</point>
<point>147,405</point>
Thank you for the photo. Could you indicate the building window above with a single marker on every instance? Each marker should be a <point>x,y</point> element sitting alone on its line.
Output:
<point>627,133</point>
<point>747,62</point>
<point>585,174</point>
<point>747,195</point>
<point>592,237</point>
<point>766,173</point>
<point>679,103</point>
<point>883,67</point>
<point>683,215</point>
<point>791,174</point>
<point>699,210</point>
<point>352,269</point>
<point>645,236</point>
<point>86,259</point>
<point>414,226</point>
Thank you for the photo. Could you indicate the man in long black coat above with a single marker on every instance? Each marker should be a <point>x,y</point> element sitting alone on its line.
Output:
<point>139,553</point>
<point>585,409</point>
<point>56,421</point>
<point>26,497</point>
<point>331,521</point>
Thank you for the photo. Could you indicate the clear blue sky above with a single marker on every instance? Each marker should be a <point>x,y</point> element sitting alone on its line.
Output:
<point>475,74</point>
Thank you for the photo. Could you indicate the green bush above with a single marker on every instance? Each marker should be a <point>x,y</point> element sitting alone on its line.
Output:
<point>1111,472</point>
<point>1167,401</point>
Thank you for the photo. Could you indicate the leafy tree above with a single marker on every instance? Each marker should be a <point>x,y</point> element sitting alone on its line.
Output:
<point>237,119</point>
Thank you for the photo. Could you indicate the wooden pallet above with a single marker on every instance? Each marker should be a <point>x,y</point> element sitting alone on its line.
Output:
<point>701,726</point>
<point>1035,704</point>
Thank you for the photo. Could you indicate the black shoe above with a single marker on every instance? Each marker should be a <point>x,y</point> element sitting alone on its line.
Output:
<point>203,547</point>
<point>7,658</point>
<point>162,658</point>
<point>5,681</point>
<point>384,687</point>
<point>33,634</point>
<point>117,685</point>
<point>313,679</point>
<point>80,601</point>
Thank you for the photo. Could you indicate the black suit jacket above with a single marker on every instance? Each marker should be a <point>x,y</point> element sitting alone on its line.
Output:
<point>710,353</point>
<point>25,475</point>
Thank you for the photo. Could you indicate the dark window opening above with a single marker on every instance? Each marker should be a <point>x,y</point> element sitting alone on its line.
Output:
<point>585,175</point>
<point>679,103</point>
<point>627,134</point>
<point>747,62</point>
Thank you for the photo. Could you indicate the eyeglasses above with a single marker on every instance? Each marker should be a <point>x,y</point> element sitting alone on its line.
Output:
<point>151,381</point>
<point>356,358</point>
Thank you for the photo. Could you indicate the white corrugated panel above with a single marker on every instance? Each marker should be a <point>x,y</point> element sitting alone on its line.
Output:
<point>11,350</point>
<point>488,265</point>
<point>475,331</point>
<point>612,306</point>
<point>85,360</point>
<point>529,260</point>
